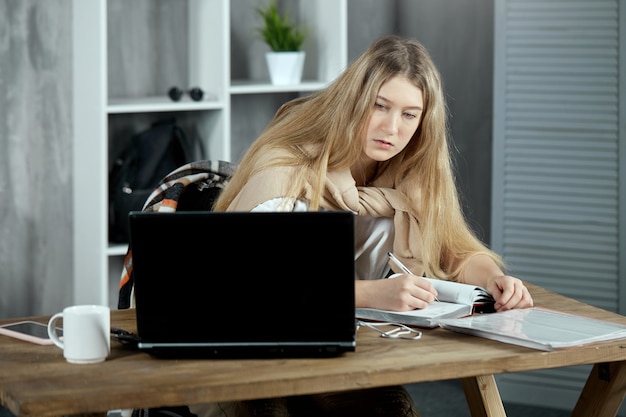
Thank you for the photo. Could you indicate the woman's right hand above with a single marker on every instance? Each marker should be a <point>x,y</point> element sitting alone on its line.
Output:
<point>403,292</point>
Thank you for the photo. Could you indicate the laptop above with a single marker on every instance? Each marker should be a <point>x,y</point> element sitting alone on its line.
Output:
<point>244,284</point>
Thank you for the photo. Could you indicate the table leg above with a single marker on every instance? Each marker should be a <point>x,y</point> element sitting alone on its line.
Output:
<point>603,392</point>
<point>483,397</point>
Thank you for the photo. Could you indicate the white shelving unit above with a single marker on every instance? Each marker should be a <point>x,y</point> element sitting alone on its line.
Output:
<point>209,59</point>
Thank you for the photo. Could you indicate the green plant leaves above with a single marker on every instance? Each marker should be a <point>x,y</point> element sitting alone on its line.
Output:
<point>279,32</point>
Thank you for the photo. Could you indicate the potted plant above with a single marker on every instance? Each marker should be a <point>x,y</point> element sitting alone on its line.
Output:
<point>284,37</point>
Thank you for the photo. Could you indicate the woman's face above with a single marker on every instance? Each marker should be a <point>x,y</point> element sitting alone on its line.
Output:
<point>396,116</point>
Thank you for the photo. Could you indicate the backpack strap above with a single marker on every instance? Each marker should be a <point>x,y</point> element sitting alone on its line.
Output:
<point>207,176</point>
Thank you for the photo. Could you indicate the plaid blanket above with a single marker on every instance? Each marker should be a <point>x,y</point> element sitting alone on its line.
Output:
<point>193,186</point>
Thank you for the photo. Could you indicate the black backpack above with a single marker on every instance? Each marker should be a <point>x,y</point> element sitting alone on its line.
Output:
<point>149,156</point>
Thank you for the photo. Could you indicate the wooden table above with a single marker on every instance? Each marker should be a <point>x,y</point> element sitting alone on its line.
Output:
<point>36,380</point>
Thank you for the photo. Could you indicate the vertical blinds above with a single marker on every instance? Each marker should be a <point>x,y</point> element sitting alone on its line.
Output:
<point>555,202</point>
<point>556,165</point>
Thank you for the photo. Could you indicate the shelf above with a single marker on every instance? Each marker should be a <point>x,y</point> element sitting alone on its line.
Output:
<point>160,104</point>
<point>117,249</point>
<point>254,87</point>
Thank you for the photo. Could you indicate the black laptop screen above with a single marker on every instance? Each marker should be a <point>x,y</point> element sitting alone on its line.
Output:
<point>244,278</point>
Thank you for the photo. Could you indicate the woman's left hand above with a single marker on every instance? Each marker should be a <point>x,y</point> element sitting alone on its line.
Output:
<point>509,293</point>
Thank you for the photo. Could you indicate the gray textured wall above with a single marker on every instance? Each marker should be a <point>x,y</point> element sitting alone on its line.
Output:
<point>35,156</point>
<point>36,120</point>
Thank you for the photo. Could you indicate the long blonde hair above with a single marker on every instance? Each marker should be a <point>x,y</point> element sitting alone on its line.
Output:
<point>323,132</point>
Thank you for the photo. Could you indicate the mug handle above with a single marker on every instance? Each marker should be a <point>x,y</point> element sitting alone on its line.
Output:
<point>52,330</point>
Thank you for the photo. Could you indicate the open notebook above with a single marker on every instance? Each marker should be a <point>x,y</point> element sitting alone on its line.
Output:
<point>244,284</point>
<point>455,300</point>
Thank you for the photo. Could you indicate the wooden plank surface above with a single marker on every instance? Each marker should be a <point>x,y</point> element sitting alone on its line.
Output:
<point>36,380</point>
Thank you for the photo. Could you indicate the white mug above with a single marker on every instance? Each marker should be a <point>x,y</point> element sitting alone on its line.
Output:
<point>86,333</point>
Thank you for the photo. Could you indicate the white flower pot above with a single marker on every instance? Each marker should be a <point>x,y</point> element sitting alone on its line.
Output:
<point>285,67</point>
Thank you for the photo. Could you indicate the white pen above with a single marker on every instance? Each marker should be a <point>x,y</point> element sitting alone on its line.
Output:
<point>402,266</point>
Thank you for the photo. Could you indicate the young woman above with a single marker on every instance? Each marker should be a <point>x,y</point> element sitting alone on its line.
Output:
<point>375,142</point>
